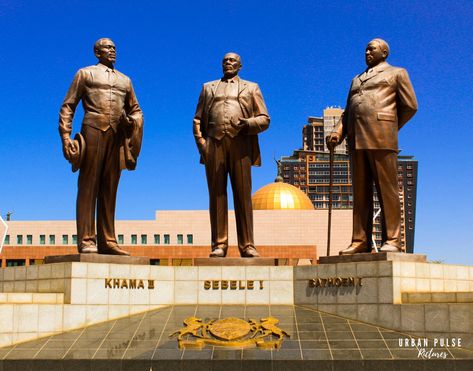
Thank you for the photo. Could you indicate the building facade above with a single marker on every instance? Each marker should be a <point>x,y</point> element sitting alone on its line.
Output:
<point>317,128</point>
<point>177,237</point>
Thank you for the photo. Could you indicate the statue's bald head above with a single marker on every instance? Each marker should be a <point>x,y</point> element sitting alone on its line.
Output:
<point>383,45</point>
<point>105,51</point>
<point>231,64</point>
<point>376,52</point>
<point>101,41</point>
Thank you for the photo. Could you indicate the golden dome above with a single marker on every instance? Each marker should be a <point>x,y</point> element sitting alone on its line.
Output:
<point>279,196</point>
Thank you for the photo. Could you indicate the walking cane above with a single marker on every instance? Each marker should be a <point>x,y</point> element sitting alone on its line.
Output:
<point>331,148</point>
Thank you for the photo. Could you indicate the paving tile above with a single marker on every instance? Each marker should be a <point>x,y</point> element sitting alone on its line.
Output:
<point>256,354</point>
<point>346,354</point>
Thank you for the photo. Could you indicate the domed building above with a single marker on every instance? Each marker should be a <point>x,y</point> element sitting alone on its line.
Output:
<point>280,196</point>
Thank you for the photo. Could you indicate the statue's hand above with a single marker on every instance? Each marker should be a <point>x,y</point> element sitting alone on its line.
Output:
<point>70,148</point>
<point>244,123</point>
<point>127,122</point>
<point>203,149</point>
<point>332,140</point>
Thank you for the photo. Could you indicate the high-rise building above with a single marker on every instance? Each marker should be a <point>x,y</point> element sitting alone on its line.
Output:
<point>317,128</point>
<point>309,169</point>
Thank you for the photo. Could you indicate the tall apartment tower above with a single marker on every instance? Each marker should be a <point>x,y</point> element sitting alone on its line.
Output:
<point>317,128</point>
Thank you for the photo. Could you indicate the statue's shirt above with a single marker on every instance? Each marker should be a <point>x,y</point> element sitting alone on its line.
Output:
<point>105,94</point>
<point>226,110</point>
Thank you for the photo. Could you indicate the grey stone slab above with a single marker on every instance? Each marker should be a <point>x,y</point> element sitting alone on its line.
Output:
<point>381,256</point>
<point>227,354</point>
<point>367,269</point>
<point>262,354</point>
<point>351,354</point>
<point>316,354</point>
<point>368,293</point>
<point>412,317</point>
<point>461,317</point>
<point>287,354</point>
<point>368,336</point>
<point>304,293</point>
<point>347,310</point>
<point>465,297</point>
<point>347,269</point>
<point>437,317</point>
<point>314,344</point>
<point>197,354</point>
<point>97,258</point>
<point>305,272</point>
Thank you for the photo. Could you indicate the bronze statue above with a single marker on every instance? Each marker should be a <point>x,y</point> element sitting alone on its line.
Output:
<point>110,140</point>
<point>380,101</point>
<point>229,116</point>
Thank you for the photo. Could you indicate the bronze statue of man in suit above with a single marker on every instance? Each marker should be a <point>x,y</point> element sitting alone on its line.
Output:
<point>380,101</point>
<point>229,116</point>
<point>110,140</point>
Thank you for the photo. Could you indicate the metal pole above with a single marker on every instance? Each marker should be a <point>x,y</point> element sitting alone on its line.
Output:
<point>330,199</point>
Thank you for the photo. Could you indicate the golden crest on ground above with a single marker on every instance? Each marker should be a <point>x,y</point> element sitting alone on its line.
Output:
<point>231,332</point>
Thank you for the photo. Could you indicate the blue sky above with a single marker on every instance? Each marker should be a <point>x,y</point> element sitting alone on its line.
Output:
<point>303,54</point>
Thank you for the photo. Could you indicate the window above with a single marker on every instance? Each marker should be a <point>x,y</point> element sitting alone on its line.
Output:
<point>7,239</point>
<point>19,239</point>
<point>65,239</point>
<point>180,239</point>
<point>120,239</point>
<point>16,262</point>
<point>74,239</point>
<point>134,239</point>
<point>144,239</point>
<point>52,239</point>
<point>167,240</point>
<point>157,239</point>
<point>42,239</point>
<point>29,239</point>
<point>190,239</point>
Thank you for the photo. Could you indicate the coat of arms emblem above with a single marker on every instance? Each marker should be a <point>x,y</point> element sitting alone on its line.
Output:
<point>231,332</point>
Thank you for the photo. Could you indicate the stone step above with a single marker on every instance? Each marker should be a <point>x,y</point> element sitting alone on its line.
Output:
<point>436,297</point>
<point>31,298</point>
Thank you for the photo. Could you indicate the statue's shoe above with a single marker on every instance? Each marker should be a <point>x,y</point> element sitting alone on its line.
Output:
<point>249,252</point>
<point>218,253</point>
<point>389,248</point>
<point>350,250</point>
<point>88,249</point>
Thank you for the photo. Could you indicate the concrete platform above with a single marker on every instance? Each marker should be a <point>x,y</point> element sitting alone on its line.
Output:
<point>97,258</point>
<point>232,262</point>
<point>142,342</point>
<point>370,257</point>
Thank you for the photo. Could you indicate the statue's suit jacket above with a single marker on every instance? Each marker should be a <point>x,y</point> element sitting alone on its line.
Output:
<point>378,105</point>
<point>252,106</point>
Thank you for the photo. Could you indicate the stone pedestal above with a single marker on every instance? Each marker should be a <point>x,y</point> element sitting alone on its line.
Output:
<point>371,257</point>
<point>231,262</point>
<point>56,297</point>
<point>394,290</point>
<point>97,258</point>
